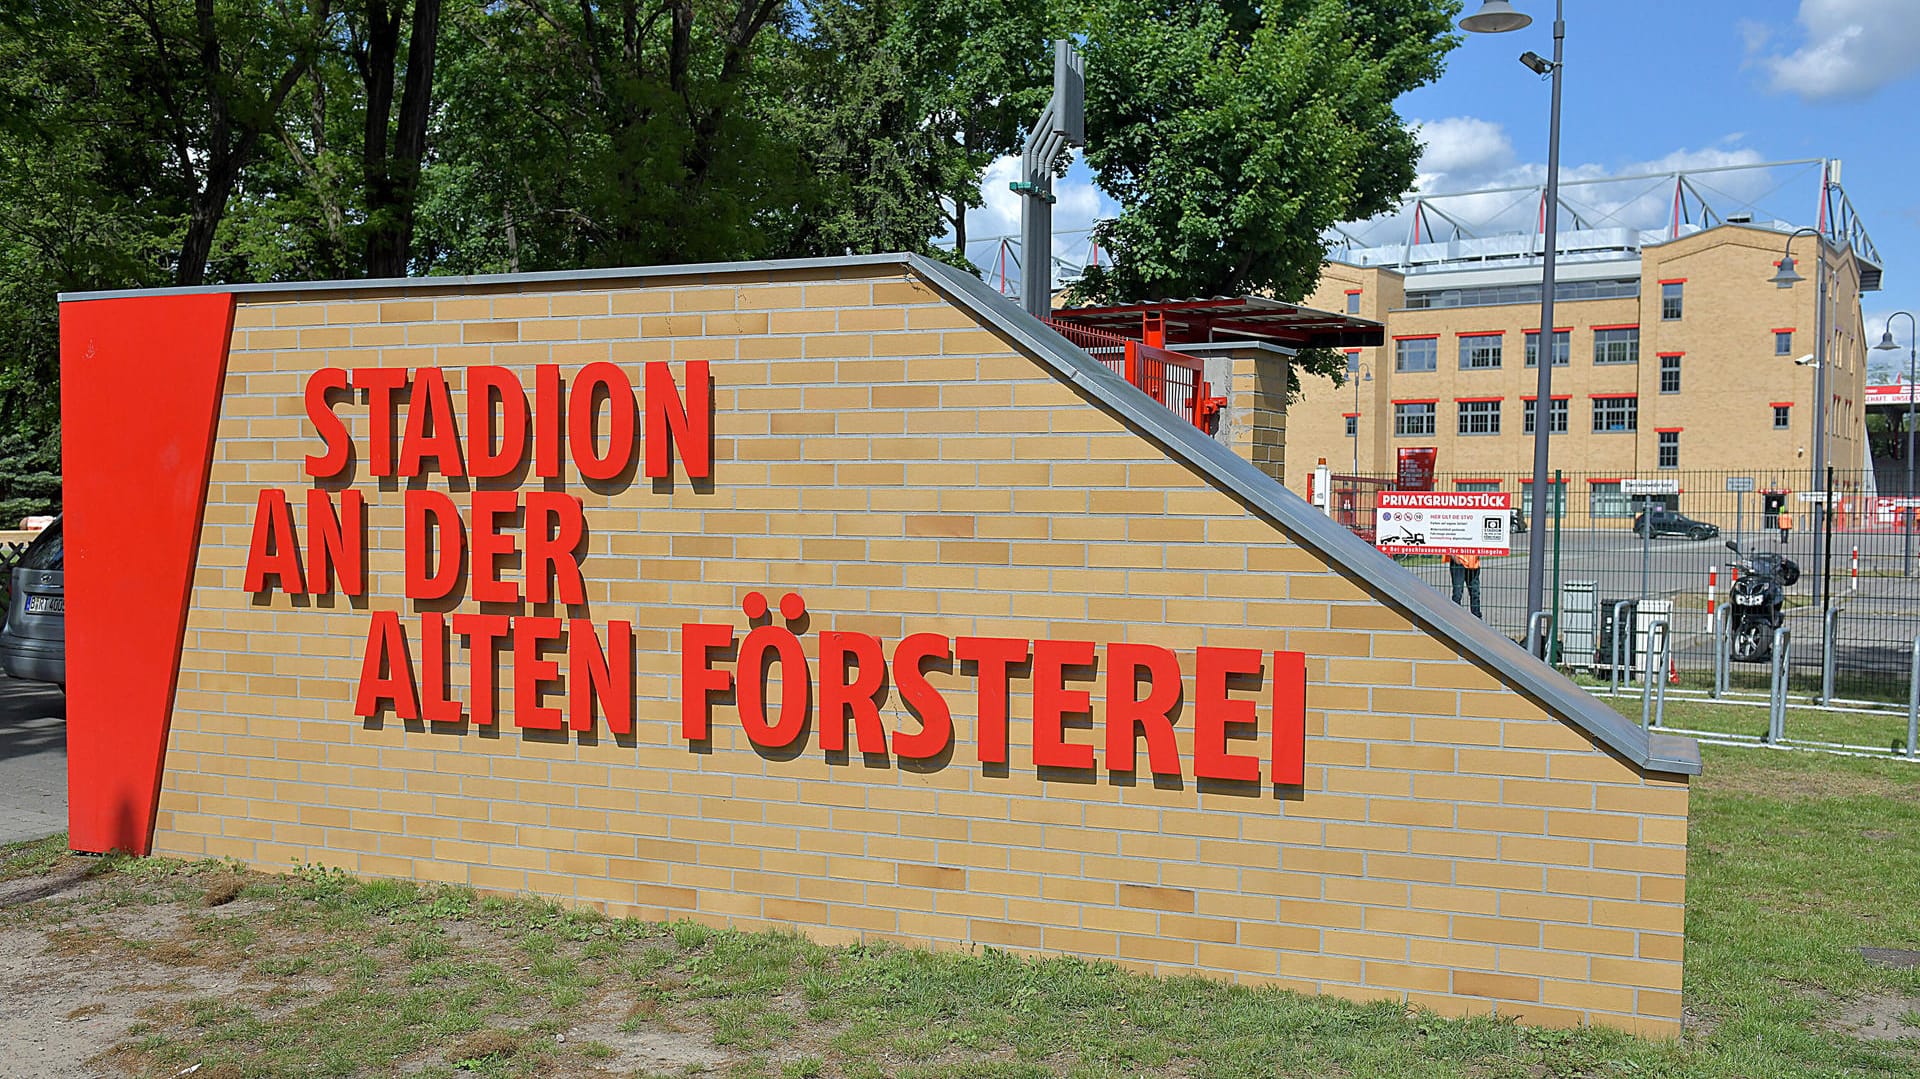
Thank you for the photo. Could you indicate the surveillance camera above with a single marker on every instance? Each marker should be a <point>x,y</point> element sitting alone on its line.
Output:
<point>1805,361</point>
<point>1540,64</point>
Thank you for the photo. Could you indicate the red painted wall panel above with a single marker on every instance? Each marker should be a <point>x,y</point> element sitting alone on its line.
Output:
<point>140,382</point>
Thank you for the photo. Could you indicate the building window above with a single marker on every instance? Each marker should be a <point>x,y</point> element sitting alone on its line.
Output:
<point>1476,486</point>
<point>1556,416</point>
<point>1480,352</point>
<point>1620,344</point>
<point>1554,493</point>
<point>1612,415</point>
<point>1416,354</point>
<point>1562,347</point>
<point>1670,374</point>
<point>1353,426</point>
<point>1620,288</point>
<point>1669,449</point>
<point>1413,418</point>
<point>1353,303</point>
<point>1671,300</point>
<point>1782,417</point>
<point>1605,500</point>
<point>1479,417</point>
<point>1783,342</point>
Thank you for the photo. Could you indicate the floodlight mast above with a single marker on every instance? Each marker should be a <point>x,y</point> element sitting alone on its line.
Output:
<point>1062,125</point>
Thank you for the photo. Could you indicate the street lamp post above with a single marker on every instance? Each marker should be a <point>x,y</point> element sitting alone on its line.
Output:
<point>1906,516</point>
<point>1787,277</point>
<point>1497,17</point>
<point>1357,373</point>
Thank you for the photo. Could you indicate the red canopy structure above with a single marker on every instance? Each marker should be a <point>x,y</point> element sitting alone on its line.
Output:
<point>1227,318</point>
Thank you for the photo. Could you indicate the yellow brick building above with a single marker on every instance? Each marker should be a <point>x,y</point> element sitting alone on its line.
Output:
<point>1678,356</point>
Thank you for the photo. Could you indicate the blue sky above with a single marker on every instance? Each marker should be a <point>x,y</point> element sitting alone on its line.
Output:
<point>1655,84</point>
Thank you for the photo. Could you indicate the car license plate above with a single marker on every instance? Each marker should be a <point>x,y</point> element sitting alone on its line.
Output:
<point>46,604</point>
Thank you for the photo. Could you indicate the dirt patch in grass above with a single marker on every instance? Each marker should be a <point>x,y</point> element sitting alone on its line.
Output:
<point>637,1038</point>
<point>223,889</point>
<point>484,1044</point>
<point>1880,1017</point>
<point>67,1006</point>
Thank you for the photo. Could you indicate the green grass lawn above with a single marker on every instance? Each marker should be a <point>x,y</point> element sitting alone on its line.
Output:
<point>1797,860</point>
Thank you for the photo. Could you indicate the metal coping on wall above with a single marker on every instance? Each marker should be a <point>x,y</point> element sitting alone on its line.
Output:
<point>1258,491</point>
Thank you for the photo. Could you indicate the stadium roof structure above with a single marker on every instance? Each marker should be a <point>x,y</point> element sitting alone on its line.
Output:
<point>1602,219</point>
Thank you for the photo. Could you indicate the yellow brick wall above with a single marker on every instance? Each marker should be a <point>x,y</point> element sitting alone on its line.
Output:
<point>1454,845</point>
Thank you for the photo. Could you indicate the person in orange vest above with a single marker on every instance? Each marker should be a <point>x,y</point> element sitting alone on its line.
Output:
<point>1786,525</point>
<point>1464,569</point>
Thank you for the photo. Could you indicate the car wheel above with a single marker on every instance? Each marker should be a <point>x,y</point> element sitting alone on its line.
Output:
<point>1699,534</point>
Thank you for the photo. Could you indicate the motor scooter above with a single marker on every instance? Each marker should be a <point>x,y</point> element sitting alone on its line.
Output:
<point>1758,604</point>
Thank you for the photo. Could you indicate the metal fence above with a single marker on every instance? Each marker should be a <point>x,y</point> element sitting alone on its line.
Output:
<point>1853,615</point>
<point>10,552</point>
<point>1176,381</point>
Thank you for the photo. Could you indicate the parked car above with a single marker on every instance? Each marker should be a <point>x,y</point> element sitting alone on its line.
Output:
<point>33,643</point>
<point>1670,523</point>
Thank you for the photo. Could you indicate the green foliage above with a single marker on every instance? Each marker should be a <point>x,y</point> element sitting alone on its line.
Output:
<point>153,142</point>
<point>29,473</point>
<point>1235,134</point>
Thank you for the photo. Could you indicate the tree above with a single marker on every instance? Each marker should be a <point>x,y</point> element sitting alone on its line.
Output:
<point>859,100</point>
<point>390,161</point>
<point>1234,134</point>
<point>75,200</point>
<point>207,80</point>
<point>988,70</point>
<point>686,153</point>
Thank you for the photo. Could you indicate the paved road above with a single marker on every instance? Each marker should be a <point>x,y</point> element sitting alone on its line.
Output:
<point>33,760</point>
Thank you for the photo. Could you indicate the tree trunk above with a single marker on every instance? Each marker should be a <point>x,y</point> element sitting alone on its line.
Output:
<point>196,247</point>
<point>393,179</point>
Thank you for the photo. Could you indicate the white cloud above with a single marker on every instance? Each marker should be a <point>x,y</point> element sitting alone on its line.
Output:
<point>1460,149</point>
<point>1464,144</point>
<point>1851,49</point>
<point>1469,154</point>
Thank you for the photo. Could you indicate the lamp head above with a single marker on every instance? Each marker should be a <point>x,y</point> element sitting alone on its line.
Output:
<point>1786,276</point>
<point>1495,17</point>
<point>1886,341</point>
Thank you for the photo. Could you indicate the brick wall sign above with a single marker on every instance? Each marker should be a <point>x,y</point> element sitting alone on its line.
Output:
<point>834,595</point>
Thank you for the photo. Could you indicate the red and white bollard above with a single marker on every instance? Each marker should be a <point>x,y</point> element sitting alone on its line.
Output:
<point>1713,578</point>
<point>1854,584</point>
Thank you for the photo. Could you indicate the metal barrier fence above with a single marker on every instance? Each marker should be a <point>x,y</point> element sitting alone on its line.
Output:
<point>1175,381</point>
<point>1853,614</point>
<point>10,552</point>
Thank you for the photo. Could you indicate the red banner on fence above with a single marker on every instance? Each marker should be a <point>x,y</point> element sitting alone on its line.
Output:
<point>1416,468</point>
